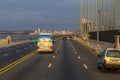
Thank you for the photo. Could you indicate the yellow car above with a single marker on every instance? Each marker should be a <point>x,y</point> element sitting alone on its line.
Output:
<point>109,59</point>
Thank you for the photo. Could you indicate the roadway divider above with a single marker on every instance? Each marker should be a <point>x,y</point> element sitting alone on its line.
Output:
<point>96,48</point>
<point>12,65</point>
<point>14,43</point>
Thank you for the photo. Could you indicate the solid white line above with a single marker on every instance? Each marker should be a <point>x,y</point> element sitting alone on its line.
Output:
<point>53,57</point>
<point>79,57</point>
<point>49,66</point>
<point>59,46</point>
<point>5,54</point>
<point>85,66</point>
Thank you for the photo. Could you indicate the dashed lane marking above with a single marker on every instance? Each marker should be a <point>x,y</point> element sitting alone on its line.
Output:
<point>73,49</point>
<point>53,57</point>
<point>59,46</point>
<point>50,65</point>
<point>56,52</point>
<point>75,52</point>
<point>79,57</point>
<point>5,54</point>
<point>85,66</point>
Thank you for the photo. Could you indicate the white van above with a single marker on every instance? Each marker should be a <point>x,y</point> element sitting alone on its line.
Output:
<point>45,43</point>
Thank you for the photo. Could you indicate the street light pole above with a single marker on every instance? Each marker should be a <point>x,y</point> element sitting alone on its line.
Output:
<point>81,26</point>
<point>88,16</point>
<point>97,21</point>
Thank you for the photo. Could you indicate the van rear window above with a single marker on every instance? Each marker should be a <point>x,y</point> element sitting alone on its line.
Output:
<point>45,36</point>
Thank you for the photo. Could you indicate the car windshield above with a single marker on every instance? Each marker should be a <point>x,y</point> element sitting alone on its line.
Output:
<point>113,53</point>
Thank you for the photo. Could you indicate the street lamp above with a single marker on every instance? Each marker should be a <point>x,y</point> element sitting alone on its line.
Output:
<point>97,21</point>
<point>81,29</point>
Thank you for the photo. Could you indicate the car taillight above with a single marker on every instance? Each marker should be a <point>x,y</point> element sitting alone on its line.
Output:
<point>50,47</point>
<point>38,47</point>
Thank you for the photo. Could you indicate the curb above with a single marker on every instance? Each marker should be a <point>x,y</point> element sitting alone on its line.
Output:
<point>14,44</point>
<point>90,47</point>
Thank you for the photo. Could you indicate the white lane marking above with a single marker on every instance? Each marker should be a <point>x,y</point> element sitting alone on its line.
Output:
<point>53,57</point>
<point>85,66</point>
<point>73,49</point>
<point>75,52</point>
<point>5,54</point>
<point>17,51</point>
<point>79,57</point>
<point>59,45</point>
<point>56,52</point>
<point>49,66</point>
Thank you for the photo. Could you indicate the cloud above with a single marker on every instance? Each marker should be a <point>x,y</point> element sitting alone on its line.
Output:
<point>50,13</point>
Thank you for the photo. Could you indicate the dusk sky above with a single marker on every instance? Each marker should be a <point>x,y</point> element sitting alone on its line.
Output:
<point>45,14</point>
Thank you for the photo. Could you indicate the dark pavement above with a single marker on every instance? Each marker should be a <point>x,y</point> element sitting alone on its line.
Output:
<point>70,61</point>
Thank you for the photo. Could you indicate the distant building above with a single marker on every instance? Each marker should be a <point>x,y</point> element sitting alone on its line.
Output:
<point>63,32</point>
<point>38,31</point>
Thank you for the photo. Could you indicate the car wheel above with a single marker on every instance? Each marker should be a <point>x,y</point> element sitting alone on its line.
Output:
<point>51,52</point>
<point>98,66</point>
<point>103,69</point>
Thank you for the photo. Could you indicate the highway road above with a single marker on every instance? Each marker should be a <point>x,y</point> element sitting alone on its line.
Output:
<point>70,61</point>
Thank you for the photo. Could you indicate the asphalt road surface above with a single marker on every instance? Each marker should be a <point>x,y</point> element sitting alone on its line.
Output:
<point>70,61</point>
